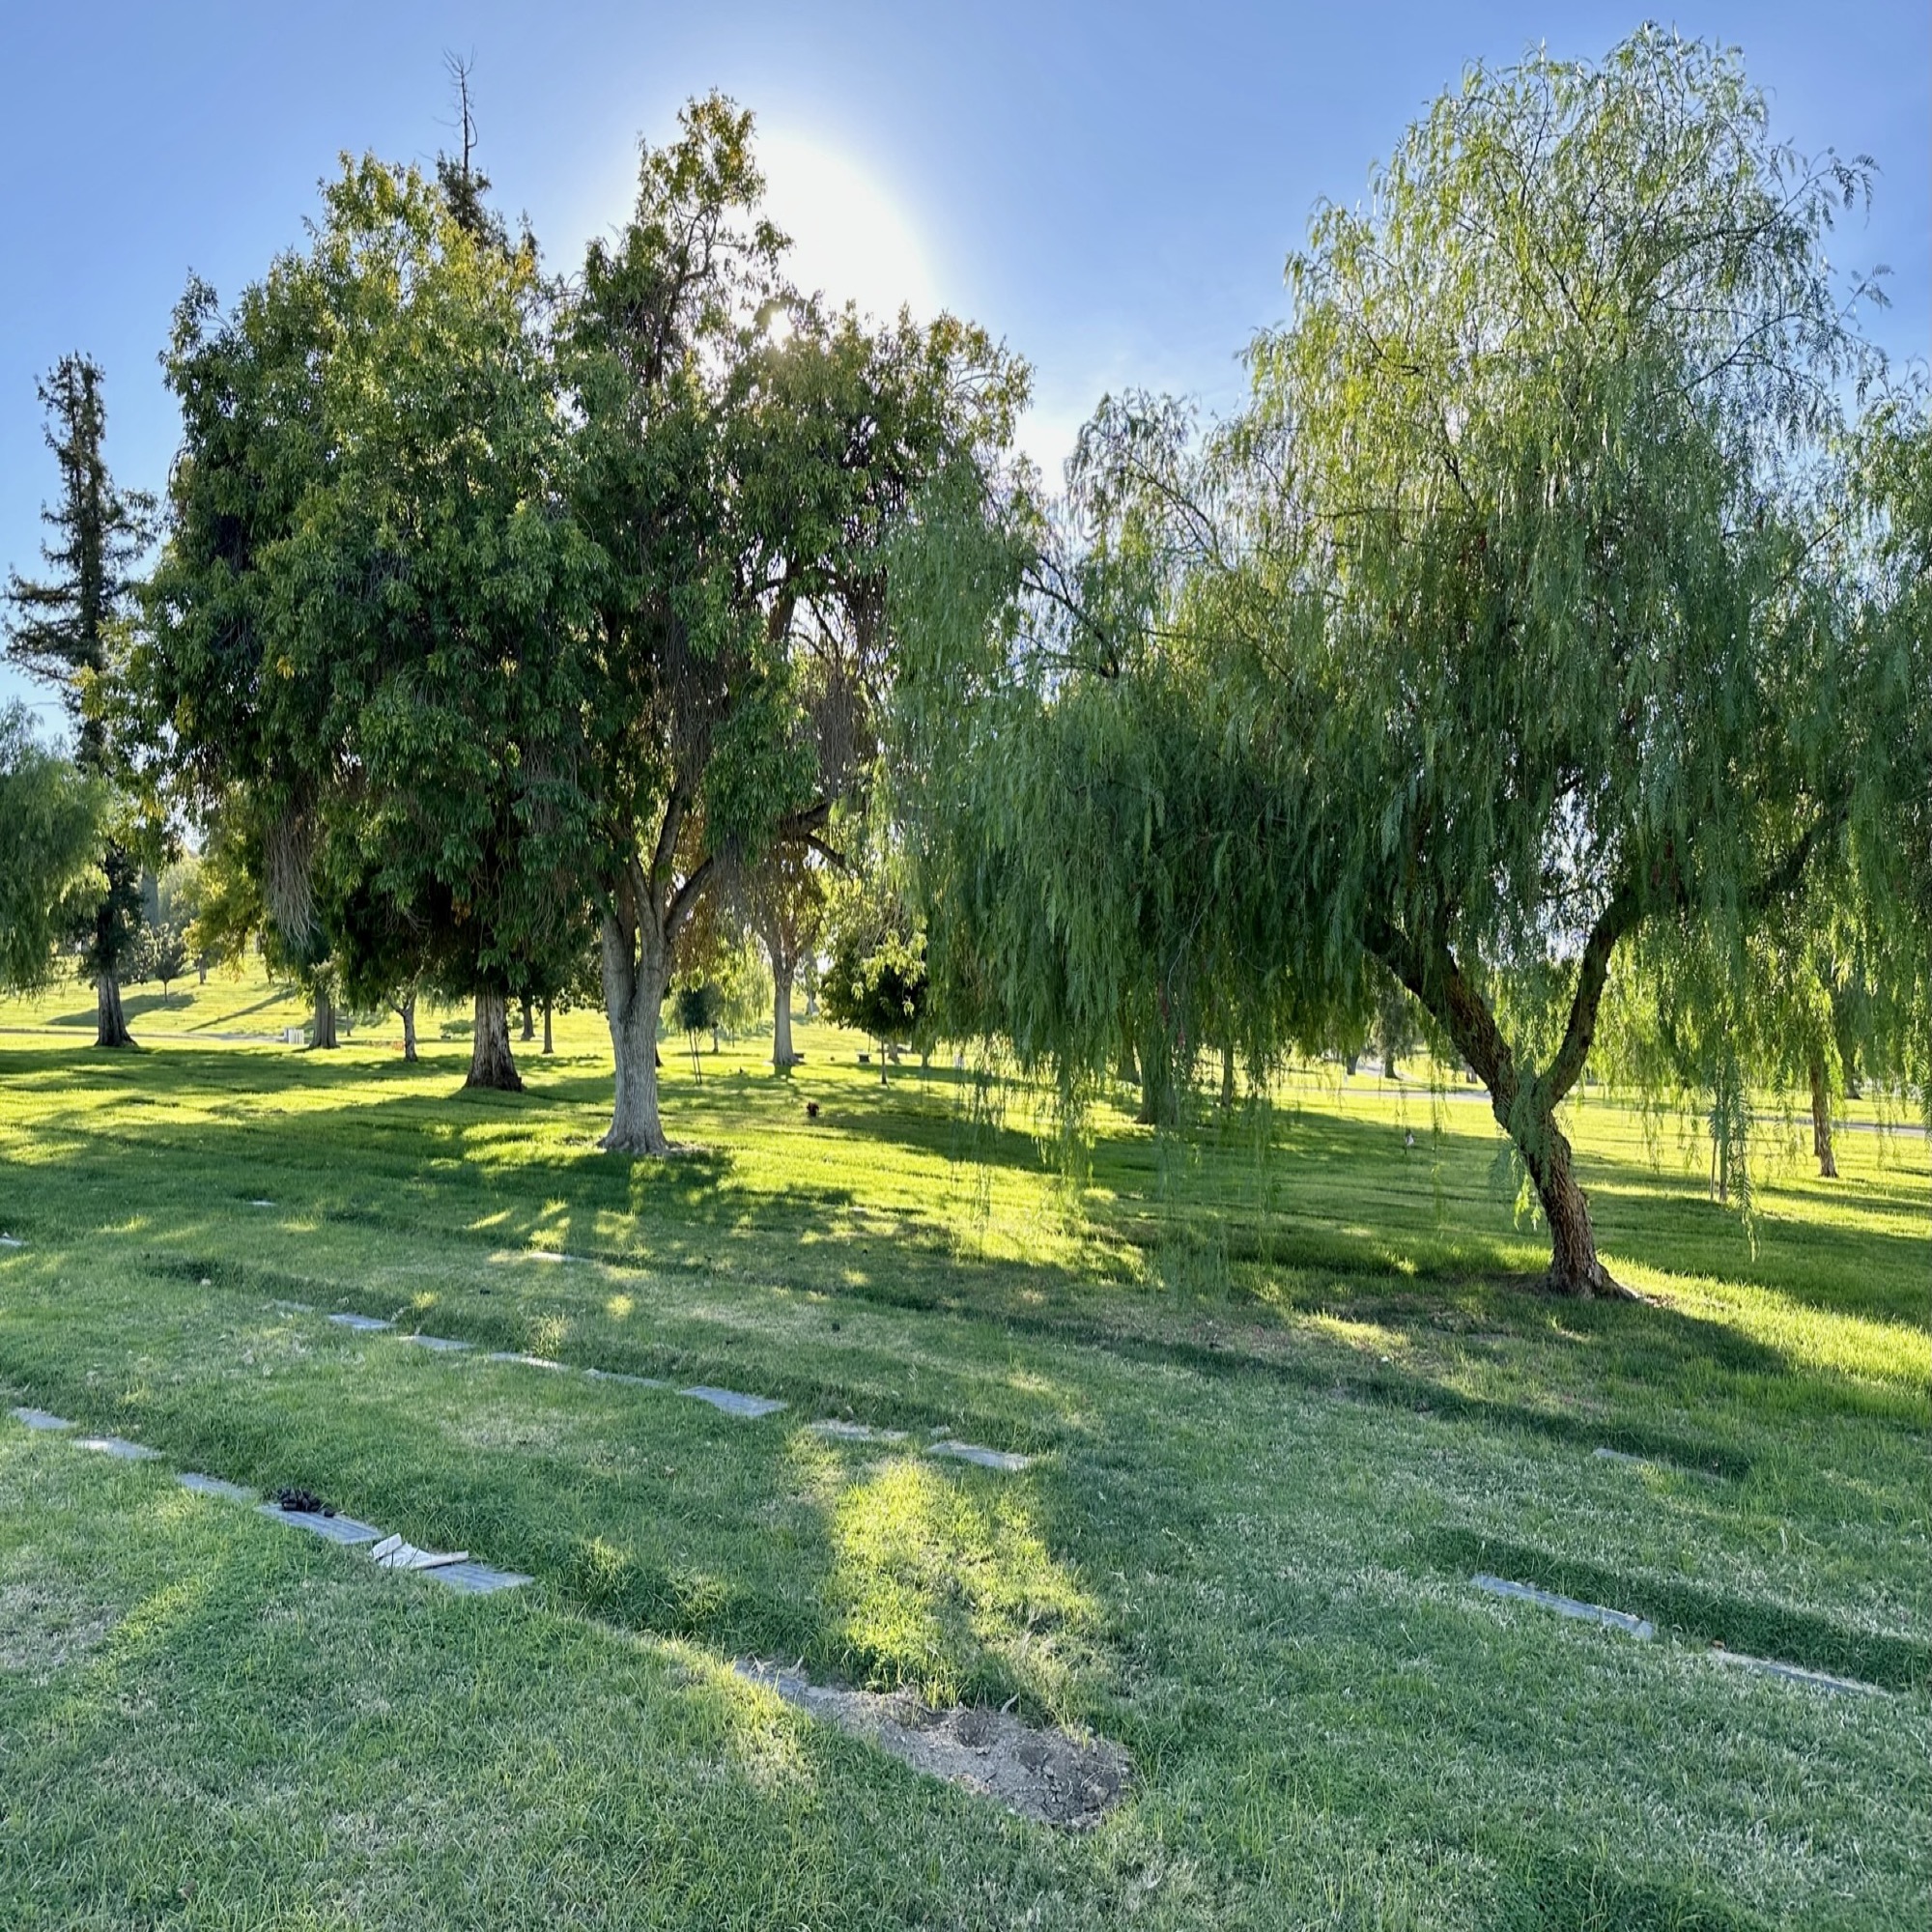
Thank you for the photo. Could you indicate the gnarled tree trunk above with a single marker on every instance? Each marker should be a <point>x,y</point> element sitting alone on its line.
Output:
<point>1524,1105</point>
<point>635,978</point>
<point>1574,1266</point>
<point>491,1065</point>
<point>110,1023</point>
<point>405,1010</point>
<point>1821,1122</point>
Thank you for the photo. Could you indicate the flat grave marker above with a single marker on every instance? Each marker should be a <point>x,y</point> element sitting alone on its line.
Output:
<point>479,1580</point>
<point>1795,1673</point>
<point>119,1447</point>
<point>1640,1627</point>
<point>213,1485</point>
<point>38,1418</point>
<point>1007,1462</point>
<point>855,1431</point>
<point>344,1529</point>
<point>747,1406</point>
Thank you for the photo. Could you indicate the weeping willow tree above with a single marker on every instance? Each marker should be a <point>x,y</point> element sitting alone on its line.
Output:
<point>1516,632</point>
<point>50,815</point>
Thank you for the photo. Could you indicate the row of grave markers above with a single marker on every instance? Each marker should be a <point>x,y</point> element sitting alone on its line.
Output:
<point>732,1402</point>
<point>454,1570</point>
<point>458,1573</point>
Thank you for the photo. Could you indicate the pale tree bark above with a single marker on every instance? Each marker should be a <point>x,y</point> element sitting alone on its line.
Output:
<point>491,1065</point>
<point>406,1011</point>
<point>1821,1120</point>
<point>649,909</point>
<point>110,1023</point>
<point>321,1024</point>
<point>637,970</point>
<point>783,1058</point>
<point>547,1046</point>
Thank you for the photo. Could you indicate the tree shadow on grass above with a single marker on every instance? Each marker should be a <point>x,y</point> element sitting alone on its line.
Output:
<point>1338,1221</point>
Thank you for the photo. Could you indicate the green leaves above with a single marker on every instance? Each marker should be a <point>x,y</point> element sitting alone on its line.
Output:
<point>1516,616</point>
<point>364,620</point>
<point>51,818</point>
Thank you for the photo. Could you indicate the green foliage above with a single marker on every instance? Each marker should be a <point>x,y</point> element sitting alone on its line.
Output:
<point>1515,627</point>
<point>70,627</point>
<point>744,461</point>
<point>164,955</point>
<point>360,623</point>
<point>875,978</point>
<point>698,1007</point>
<point>50,819</point>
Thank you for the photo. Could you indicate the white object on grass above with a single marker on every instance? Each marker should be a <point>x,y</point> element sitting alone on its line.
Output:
<point>1640,1627</point>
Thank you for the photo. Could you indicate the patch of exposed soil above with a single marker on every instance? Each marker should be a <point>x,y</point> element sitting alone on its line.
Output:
<point>1051,1776</point>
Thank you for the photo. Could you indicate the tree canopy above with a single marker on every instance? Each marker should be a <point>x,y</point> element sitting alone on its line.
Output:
<point>360,625</point>
<point>743,463</point>
<point>1518,628</point>
<point>50,819</point>
<point>70,628</point>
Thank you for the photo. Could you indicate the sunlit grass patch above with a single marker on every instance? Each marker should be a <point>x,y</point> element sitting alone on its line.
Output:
<point>945,1582</point>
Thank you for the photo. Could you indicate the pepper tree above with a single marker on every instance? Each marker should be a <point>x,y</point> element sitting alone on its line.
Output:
<point>1515,635</point>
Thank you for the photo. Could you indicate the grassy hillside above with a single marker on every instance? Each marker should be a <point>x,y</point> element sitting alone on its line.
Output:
<point>1284,1388</point>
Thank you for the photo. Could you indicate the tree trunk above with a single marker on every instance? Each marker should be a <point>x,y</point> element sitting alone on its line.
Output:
<point>782,1057</point>
<point>1226,1076</point>
<point>407,1012</point>
<point>1525,1108</point>
<point>1821,1122</point>
<point>1159,1101</point>
<point>529,1030</point>
<point>322,1027</point>
<point>491,1065</point>
<point>1574,1266</point>
<point>547,1047</point>
<point>110,1023</point>
<point>634,991</point>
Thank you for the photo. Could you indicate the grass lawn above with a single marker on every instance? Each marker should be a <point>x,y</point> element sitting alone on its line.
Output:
<point>1282,1406</point>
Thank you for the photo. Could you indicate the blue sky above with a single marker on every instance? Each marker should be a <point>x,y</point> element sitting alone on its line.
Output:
<point>1111,189</point>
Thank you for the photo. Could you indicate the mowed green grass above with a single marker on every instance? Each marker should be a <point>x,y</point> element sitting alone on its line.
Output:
<point>1285,1388</point>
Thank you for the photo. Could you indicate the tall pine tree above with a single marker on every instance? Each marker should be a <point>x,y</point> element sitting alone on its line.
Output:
<point>68,629</point>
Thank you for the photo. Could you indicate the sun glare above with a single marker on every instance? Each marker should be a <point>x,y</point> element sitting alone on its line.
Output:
<point>850,240</point>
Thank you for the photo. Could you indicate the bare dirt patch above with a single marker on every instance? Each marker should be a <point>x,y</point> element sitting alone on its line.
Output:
<point>1051,1776</point>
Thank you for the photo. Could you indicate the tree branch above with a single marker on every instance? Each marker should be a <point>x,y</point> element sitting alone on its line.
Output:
<point>1617,919</point>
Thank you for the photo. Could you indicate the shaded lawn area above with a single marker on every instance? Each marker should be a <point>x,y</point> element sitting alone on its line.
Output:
<point>1281,1408</point>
